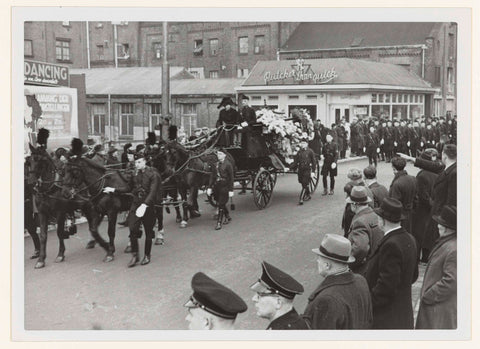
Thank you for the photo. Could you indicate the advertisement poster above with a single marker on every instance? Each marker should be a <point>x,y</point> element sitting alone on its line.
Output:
<point>54,108</point>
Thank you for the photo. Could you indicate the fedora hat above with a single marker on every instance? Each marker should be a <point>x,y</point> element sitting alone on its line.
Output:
<point>335,247</point>
<point>447,217</point>
<point>390,209</point>
<point>354,174</point>
<point>358,195</point>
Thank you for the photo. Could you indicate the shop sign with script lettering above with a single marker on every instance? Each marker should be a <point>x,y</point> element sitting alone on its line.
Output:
<point>301,73</point>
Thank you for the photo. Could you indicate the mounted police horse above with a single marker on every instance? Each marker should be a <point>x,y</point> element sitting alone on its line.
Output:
<point>54,200</point>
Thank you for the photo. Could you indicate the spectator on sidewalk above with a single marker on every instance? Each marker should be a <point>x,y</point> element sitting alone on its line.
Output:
<point>379,191</point>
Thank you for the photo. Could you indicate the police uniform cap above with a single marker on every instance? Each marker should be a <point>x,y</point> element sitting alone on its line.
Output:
<point>242,96</point>
<point>276,281</point>
<point>215,298</point>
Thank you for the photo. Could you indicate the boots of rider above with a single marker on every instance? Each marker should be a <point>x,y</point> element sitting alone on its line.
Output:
<point>148,250</point>
<point>307,193</point>
<point>135,259</point>
<point>227,216</point>
<point>219,220</point>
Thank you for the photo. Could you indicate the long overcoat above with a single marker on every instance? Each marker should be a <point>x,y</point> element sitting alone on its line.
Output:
<point>438,297</point>
<point>391,271</point>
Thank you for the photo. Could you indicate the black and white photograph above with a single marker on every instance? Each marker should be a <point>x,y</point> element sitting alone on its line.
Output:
<point>270,173</point>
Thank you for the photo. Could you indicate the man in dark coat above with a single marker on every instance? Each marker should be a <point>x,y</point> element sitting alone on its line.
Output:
<point>444,189</point>
<point>414,138</point>
<point>354,137</point>
<point>438,297</point>
<point>379,191</point>
<point>404,189</point>
<point>306,164</point>
<point>126,151</point>
<point>387,141</point>
<point>342,140</point>
<point>342,301</point>
<point>229,118</point>
<point>273,299</point>
<point>372,146</point>
<point>112,159</point>
<point>316,143</point>
<point>99,156</point>
<point>364,233</point>
<point>330,156</point>
<point>391,270</point>
<point>144,186</point>
<point>221,186</point>
<point>423,204</point>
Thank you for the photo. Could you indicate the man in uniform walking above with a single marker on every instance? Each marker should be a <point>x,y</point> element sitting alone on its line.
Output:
<point>306,163</point>
<point>221,186</point>
<point>275,291</point>
<point>146,193</point>
<point>330,156</point>
<point>212,306</point>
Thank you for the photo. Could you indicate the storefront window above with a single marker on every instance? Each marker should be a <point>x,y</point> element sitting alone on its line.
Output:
<point>97,121</point>
<point>126,119</point>
<point>360,110</point>
<point>380,98</point>
<point>405,98</point>
<point>399,111</point>
<point>411,98</point>
<point>416,99</point>
<point>387,98</point>
<point>381,111</point>
<point>421,98</point>
<point>189,117</point>
<point>374,98</point>
<point>415,111</point>
<point>399,99</point>
<point>394,98</point>
<point>155,114</point>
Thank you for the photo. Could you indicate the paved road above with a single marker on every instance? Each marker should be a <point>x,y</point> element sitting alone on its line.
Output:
<point>84,293</point>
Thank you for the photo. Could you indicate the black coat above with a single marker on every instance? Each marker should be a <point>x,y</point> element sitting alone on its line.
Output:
<point>391,271</point>
<point>404,189</point>
<point>306,163</point>
<point>340,302</point>
<point>289,321</point>
<point>330,154</point>
<point>423,206</point>
<point>379,193</point>
<point>221,180</point>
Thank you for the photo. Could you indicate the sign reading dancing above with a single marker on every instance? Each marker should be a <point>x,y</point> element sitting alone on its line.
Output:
<point>301,72</point>
<point>46,74</point>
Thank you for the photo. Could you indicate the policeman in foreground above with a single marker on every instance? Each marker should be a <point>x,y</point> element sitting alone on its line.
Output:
<point>212,306</point>
<point>275,291</point>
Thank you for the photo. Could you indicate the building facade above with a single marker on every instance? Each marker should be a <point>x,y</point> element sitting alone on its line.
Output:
<point>427,49</point>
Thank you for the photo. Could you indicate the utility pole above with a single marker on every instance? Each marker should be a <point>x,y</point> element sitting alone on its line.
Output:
<point>165,84</point>
<point>115,45</point>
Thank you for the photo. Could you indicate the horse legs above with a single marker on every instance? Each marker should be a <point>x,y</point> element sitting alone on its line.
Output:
<point>31,226</point>
<point>60,234</point>
<point>43,222</point>
<point>93,219</point>
<point>112,221</point>
<point>194,212</point>
<point>184,222</point>
<point>160,239</point>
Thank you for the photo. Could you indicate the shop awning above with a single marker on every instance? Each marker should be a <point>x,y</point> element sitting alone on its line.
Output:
<point>332,74</point>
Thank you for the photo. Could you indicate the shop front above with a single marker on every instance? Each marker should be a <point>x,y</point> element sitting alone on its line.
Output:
<point>332,89</point>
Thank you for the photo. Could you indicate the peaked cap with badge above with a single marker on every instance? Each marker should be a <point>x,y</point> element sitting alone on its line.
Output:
<point>275,281</point>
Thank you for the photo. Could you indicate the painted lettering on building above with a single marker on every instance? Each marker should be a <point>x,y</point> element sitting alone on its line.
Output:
<point>46,74</point>
<point>301,72</point>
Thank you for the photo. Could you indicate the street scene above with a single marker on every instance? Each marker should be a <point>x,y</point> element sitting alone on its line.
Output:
<point>240,175</point>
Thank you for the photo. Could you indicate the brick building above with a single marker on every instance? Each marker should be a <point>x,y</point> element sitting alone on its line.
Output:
<point>427,49</point>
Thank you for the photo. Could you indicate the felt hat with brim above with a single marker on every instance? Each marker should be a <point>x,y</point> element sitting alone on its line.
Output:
<point>214,298</point>
<point>335,247</point>
<point>390,210</point>
<point>447,217</point>
<point>358,195</point>
<point>354,174</point>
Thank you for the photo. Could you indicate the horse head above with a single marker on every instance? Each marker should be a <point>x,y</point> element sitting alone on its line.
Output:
<point>176,154</point>
<point>39,165</point>
<point>74,172</point>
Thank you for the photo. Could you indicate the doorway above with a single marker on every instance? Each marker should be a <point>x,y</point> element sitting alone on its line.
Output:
<point>337,112</point>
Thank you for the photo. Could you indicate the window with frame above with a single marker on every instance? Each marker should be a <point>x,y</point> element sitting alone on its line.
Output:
<point>97,119</point>
<point>155,114</point>
<point>198,47</point>
<point>213,74</point>
<point>213,47</point>
<point>126,119</point>
<point>374,98</point>
<point>62,49</point>
<point>450,80</point>
<point>243,45</point>
<point>189,117</point>
<point>28,48</point>
<point>123,51</point>
<point>259,45</point>
<point>242,72</point>
<point>157,50</point>
<point>437,75</point>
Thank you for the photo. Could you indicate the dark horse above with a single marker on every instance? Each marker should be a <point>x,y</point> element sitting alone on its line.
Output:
<point>90,179</point>
<point>53,199</point>
<point>192,171</point>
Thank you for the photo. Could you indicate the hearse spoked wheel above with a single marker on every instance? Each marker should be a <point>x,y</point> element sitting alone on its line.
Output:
<point>263,185</point>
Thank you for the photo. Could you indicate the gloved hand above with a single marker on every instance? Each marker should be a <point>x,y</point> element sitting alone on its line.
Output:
<point>364,149</point>
<point>141,210</point>
<point>382,141</point>
<point>378,150</point>
<point>395,143</point>
<point>333,166</point>
<point>312,174</point>
<point>408,144</point>
<point>239,127</point>
<point>421,144</point>
<point>286,169</point>
<point>244,124</point>
<point>108,190</point>
<point>230,194</point>
<point>209,191</point>
<point>433,142</point>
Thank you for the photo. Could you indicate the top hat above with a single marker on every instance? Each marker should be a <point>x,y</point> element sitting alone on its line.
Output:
<point>447,217</point>
<point>214,298</point>
<point>275,281</point>
<point>225,101</point>
<point>335,247</point>
<point>390,209</point>
<point>358,195</point>
<point>42,136</point>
